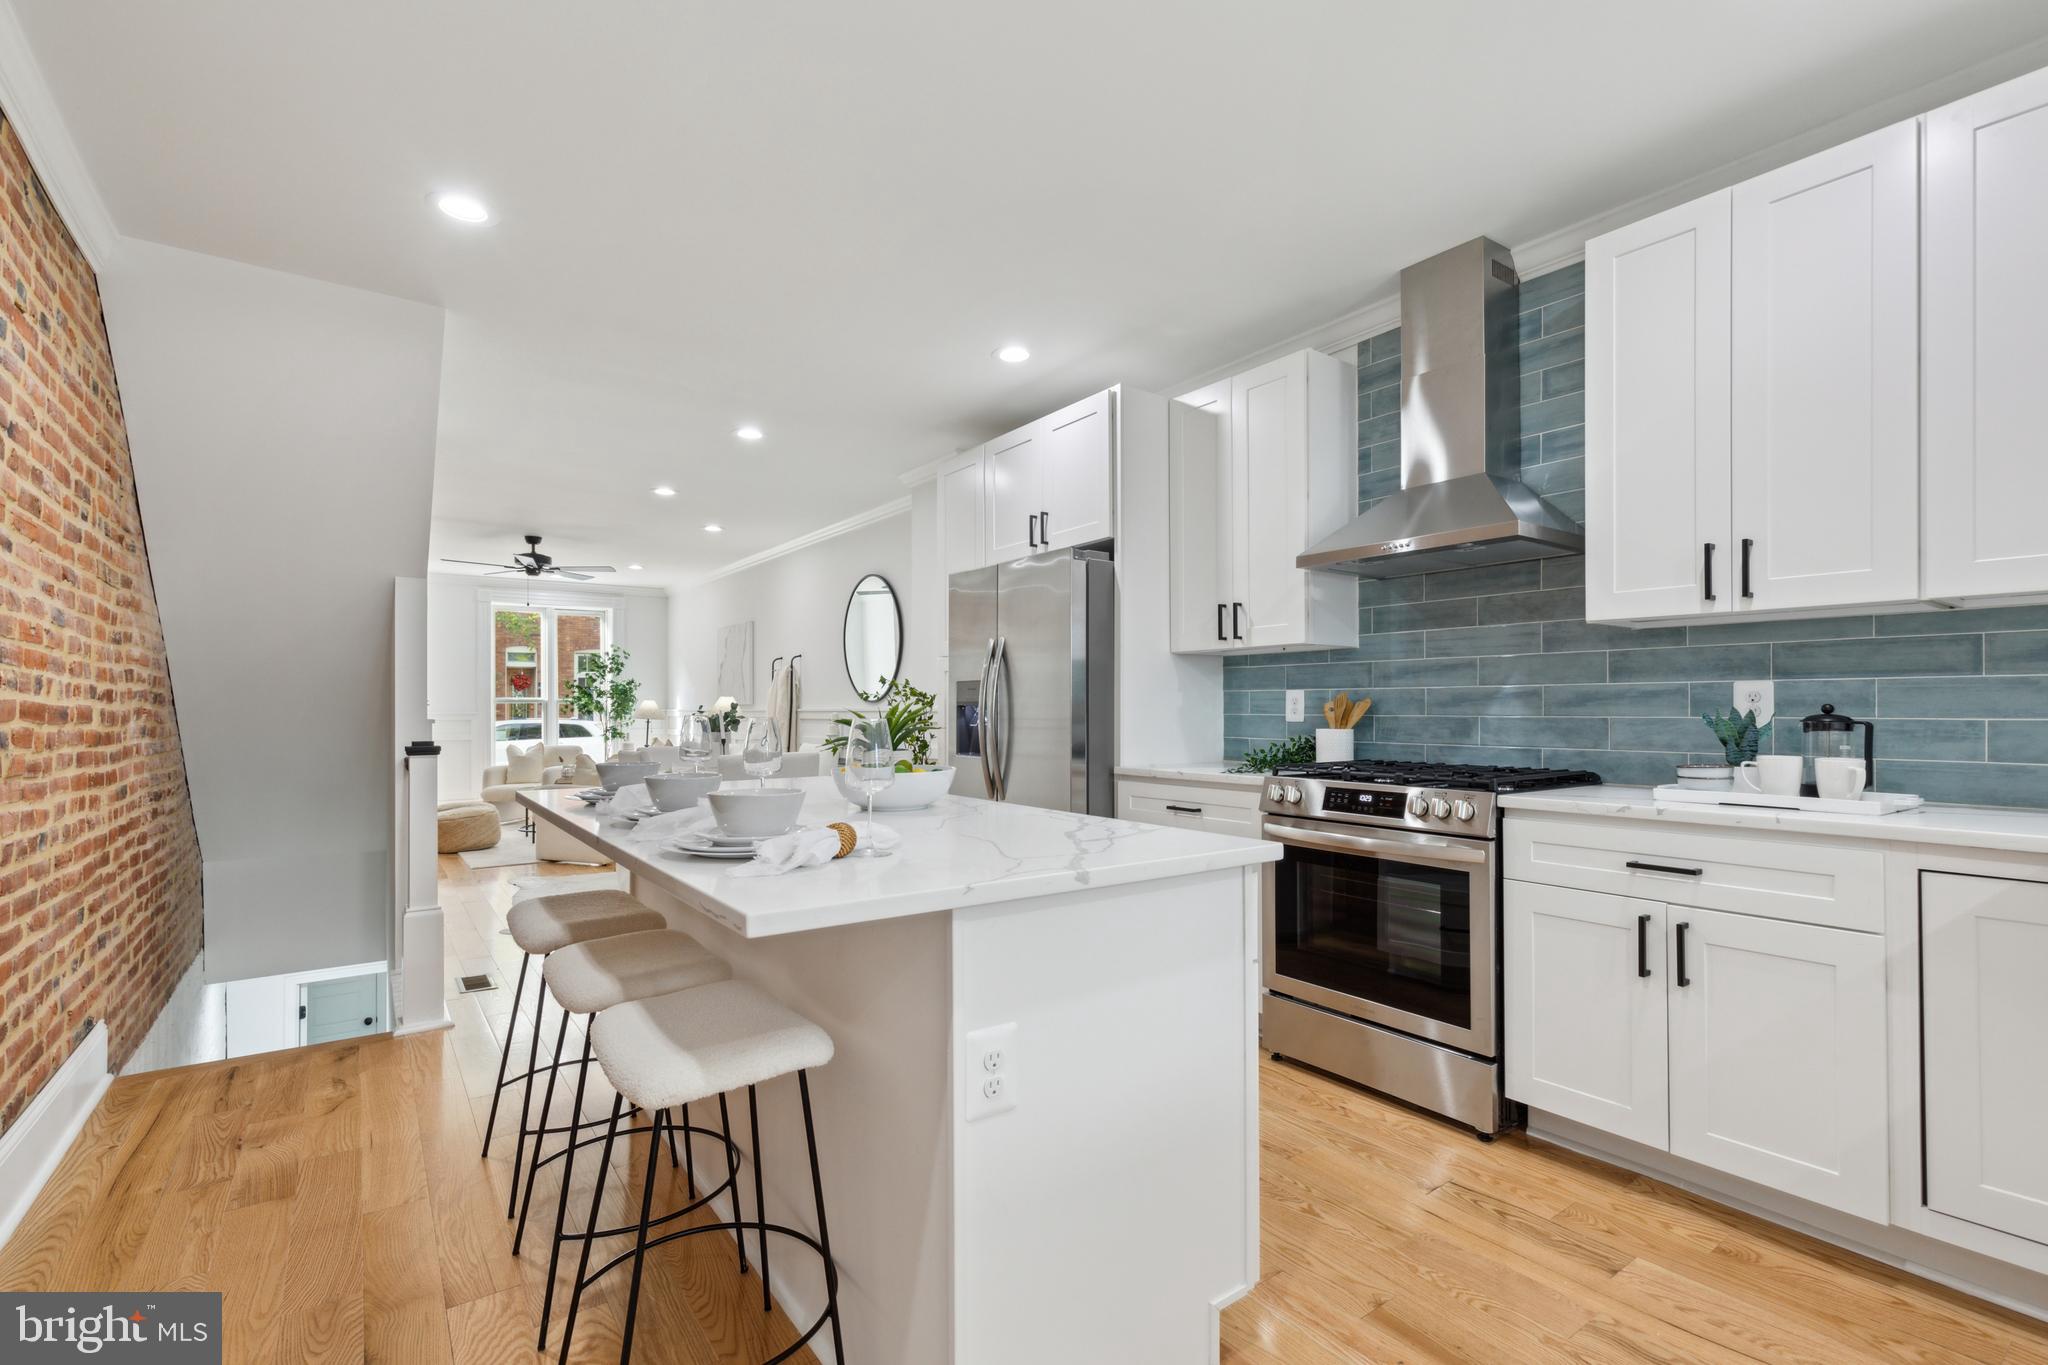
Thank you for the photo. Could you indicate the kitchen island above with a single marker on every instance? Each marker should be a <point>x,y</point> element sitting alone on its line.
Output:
<point>1103,1204</point>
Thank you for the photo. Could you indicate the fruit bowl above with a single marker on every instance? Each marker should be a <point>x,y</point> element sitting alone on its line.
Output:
<point>910,791</point>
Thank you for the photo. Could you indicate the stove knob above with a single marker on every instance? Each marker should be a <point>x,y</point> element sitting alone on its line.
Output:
<point>1418,805</point>
<point>1439,807</point>
<point>1273,792</point>
<point>1464,810</point>
<point>1294,796</point>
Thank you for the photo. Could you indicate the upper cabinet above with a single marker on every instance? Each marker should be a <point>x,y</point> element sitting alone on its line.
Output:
<point>1985,291</point>
<point>1752,434</point>
<point>963,517</point>
<point>1052,484</point>
<point>1261,467</point>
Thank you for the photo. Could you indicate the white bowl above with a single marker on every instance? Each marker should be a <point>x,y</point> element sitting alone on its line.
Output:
<point>616,775</point>
<point>910,791</point>
<point>676,791</point>
<point>755,812</point>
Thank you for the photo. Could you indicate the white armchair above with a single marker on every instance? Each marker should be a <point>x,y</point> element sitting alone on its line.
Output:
<point>556,765</point>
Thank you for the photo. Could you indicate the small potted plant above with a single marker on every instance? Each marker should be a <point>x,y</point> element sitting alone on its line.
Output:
<point>912,728</point>
<point>1740,737</point>
<point>1287,753</point>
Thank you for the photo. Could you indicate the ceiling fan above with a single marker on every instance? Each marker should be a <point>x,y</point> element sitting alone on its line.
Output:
<point>534,564</point>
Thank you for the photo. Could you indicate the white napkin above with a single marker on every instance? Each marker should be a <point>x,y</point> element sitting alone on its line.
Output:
<point>633,796</point>
<point>810,847</point>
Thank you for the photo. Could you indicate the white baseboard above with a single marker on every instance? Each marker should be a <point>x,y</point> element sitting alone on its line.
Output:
<point>425,1025</point>
<point>31,1149</point>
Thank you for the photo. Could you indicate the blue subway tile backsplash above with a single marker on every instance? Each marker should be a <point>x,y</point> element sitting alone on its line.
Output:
<point>1498,664</point>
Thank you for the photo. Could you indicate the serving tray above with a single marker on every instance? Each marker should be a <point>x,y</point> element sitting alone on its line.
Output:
<point>1870,803</point>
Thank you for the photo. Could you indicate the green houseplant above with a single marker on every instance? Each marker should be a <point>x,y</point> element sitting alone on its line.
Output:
<point>1739,736</point>
<point>1281,754</point>
<point>911,726</point>
<point>602,690</point>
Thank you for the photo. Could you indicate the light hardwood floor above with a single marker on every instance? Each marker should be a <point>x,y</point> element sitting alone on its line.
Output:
<point>335,1196</point>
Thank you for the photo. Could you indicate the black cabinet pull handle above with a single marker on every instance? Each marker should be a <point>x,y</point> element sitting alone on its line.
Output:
<point>1642,945</point>
<point>1664,867</point>
<point>1235,608</point>
<point>1683,979</point>
<point>1184,810</point>
<point>1747,546</point>
<point>1222,631</point>
<point>1045,529</point>
<point>1037,536</point>
<point>1708,570</point>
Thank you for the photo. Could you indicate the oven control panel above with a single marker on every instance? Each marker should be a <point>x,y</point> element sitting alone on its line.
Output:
<point>1352,801</point>
<point>1451,812</point>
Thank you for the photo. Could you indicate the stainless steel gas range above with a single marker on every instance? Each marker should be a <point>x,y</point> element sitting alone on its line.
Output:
<point>1382,927</point>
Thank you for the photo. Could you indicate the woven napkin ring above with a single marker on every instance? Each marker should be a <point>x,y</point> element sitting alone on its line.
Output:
<point>847,838</point>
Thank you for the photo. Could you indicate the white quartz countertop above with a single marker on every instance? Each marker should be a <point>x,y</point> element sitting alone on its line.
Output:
<point>1192,772</point>
<point>2000,827</point>
<point>959,852</point>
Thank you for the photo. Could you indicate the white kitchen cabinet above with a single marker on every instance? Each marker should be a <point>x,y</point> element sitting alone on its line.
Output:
<point>1052,484</point>
<point>1214,807</point>
<point>1983,1020</point>
<point>1585,981</point>
<point>1777,1055</point>
<point>1286,477</point>
<point>1984,293</point>
<point>1012,492</point>
<point>1657,416</point>
<point>963,514</point>
<point>1825,391</point>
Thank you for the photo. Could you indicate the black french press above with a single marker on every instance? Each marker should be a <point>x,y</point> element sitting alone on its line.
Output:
<point>1829,735</point>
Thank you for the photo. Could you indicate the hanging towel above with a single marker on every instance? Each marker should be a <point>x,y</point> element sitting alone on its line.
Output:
<point>783,704</point>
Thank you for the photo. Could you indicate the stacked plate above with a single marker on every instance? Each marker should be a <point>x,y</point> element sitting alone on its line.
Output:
<point>593,795</point>
<point>644,813</point>
<point>711,844</point>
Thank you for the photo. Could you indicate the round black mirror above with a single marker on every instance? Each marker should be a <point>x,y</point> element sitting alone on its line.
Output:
<point>873,638</point>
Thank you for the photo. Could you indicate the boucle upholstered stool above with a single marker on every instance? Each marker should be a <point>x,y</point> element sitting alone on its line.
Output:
<point>586,978</point>
<point>466,825</point>
<point>674,1049</point>
<point>541,925</point>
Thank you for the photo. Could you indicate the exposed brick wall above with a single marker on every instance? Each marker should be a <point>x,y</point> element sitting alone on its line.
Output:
<point>99,857</point>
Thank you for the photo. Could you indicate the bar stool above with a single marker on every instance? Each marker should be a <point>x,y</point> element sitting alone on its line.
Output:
<point>541,925</point>
<point>675,1049</point>
<point>587,978</point>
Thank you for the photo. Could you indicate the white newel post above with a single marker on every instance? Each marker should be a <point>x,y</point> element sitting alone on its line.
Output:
<point>418,990</point>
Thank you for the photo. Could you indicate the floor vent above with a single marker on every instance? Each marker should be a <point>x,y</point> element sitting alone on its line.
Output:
<point>472,984</point>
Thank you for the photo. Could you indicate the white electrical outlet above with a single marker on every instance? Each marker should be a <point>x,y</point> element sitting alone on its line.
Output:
<point>988,1071</point>
<point>1760,697</point>
<point>1297,705</point>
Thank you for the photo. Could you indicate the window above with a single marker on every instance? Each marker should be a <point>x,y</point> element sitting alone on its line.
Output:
<point>535,653</point>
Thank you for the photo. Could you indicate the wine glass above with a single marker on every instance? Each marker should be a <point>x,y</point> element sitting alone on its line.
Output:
<point>695,740</point>
<point>761,755</point>
<point>870,765</point>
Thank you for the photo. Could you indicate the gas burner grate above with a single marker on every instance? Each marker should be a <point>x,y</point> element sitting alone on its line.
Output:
<point>1470,777</point>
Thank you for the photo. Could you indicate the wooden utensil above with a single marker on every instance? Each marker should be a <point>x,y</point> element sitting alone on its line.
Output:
<point>1342,713</point>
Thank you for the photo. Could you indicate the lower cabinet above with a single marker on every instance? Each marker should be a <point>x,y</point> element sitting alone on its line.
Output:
<point>1221,808</point>
<point>1983,1027</point>
<point>1754,1046</point>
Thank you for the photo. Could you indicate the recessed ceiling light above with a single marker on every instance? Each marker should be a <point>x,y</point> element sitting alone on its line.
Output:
<point>713,527</point>
<point>749,432</point>
<point>463,208</point>
<point>1013,354</point>
<point>662,490</point>
<point>633,568</point>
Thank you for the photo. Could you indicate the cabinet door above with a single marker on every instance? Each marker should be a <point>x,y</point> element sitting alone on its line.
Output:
<point>1077,474</point>
<point>1983,1019</point>
<point>1778,1056</point>
<point>1010,468</point>
<point>963,515</point>
<point>1199,533</point>
<point>1984,351</point>
<point>1585,1025</point>
<point>1657,373</point>
<point>1826,376</point>
<point>1269,483</point>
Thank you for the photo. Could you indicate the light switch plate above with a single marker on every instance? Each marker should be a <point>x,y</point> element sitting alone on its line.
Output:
<point>1760,697</point>
<point>1297,705</point>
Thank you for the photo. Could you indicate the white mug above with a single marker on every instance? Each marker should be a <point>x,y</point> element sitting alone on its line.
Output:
<point>1839,779</point>
<point>1772,775</point>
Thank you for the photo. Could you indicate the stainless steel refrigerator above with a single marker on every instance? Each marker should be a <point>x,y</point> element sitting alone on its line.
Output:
<point>1033,645</point>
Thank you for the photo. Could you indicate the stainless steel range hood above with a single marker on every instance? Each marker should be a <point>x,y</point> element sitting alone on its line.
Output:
<point>1462,500</point>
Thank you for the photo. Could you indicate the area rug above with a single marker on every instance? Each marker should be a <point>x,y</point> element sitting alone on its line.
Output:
<point>514,846</point>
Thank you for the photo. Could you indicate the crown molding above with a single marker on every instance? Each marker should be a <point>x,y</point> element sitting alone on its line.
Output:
<point>32,109</point>
<point>894,507</point>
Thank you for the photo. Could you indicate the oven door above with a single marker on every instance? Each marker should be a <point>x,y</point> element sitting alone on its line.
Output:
<point>1389,926</point>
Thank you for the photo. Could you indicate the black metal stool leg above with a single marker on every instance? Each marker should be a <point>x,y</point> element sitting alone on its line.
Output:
<point>547,1104</point>
<point>760,1204</point>
<point>604,1164</point>
<point>725,1130</point>
<point>526,1100</point>
<point>640,1237</point>
<point>505,1053</point>
<point>547,1298</point>
<point>803,1082</point>
<point>686,1147</point>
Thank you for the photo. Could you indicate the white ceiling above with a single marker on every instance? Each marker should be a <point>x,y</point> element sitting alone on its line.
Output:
<point>824,217</point>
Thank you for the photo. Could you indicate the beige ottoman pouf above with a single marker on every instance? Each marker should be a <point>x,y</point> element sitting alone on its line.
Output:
<point>467,825</point>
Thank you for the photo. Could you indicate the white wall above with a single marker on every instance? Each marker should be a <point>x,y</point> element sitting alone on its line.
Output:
<point>797,603</point>
<point>458,694</point>
<point>283,433</point>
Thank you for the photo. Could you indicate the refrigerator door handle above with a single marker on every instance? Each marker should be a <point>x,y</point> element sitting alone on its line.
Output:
<point>981,721</point>
<point>1000,741</point>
